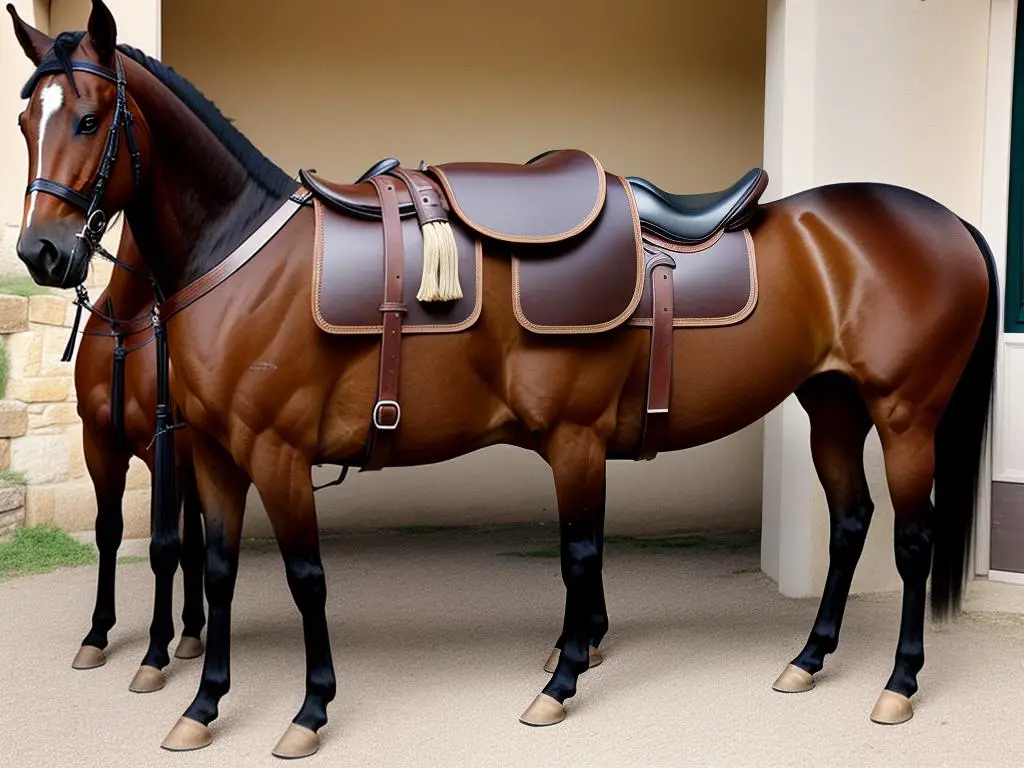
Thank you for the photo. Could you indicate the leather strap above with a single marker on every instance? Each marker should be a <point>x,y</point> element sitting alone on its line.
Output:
<point>425,196</point>
<point>60,191</point>
<point>659,376</point>
<point>387,413</point>
<point>238,259</point>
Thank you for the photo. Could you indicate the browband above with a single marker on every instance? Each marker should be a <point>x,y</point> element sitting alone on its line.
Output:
<point>54,66</point>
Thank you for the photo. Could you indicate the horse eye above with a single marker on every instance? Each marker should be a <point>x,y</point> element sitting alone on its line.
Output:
<point>86,125</point>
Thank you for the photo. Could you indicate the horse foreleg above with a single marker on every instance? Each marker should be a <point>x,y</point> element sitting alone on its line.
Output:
<point>598,616</point>
<point>577,459</point>
<point>108,468</point>
<point>292,512</point>
<point>222,487</point>
<point>840,423</point>
<point>193,552</point>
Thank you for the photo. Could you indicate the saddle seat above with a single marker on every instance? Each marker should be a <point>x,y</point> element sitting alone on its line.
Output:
<point>545,201</point>
<point>695,218</point>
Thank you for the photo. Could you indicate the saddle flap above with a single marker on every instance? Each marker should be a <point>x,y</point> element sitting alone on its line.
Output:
<point>348,277</point>
<point>589,284</point>
<point>714,284</point>
<point>551,198</point>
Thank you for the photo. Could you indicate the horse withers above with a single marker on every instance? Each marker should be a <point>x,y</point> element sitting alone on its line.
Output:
<point>874,304</point>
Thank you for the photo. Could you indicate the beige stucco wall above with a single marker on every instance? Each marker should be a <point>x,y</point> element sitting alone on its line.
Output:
<point>670,91</point>
<point>881,90</point>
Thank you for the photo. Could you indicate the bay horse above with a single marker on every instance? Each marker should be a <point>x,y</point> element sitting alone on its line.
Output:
<point>115,384</point>
<point>877,306</point>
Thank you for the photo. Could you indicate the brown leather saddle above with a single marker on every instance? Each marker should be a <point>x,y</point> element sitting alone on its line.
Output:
<point>590,251</point>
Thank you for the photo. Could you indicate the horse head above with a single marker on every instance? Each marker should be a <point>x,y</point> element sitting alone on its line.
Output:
<point>77,119</point>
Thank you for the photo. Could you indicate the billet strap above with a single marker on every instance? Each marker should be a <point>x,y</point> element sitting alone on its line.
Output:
<point>659,376</point>
<point>387,413</point>
<point>238,259</point>
<point>429,204</point>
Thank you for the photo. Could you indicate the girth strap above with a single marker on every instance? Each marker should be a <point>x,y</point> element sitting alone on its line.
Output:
<point>387,413</point>
<point>659,377</point>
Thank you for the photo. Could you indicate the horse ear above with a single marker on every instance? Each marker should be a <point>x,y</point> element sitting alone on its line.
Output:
<point>103,31</point>
<point>33,42</point>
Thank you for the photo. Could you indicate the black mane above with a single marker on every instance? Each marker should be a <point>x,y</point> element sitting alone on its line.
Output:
<point>260,168</point>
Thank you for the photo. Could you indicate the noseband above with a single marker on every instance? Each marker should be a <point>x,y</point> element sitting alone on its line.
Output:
<point>96,220</point>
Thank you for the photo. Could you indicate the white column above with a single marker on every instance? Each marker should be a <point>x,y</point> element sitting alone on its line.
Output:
<point>878,90</point>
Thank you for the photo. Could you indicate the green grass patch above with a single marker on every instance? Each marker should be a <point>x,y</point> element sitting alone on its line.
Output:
<point>22,286</point>
<point>132,559</point>
<point>40,550</point>
<point>5,369</point>
<point>12,477</point>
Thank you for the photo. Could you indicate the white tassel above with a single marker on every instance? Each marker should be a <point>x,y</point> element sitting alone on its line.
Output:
<point>440,280</point>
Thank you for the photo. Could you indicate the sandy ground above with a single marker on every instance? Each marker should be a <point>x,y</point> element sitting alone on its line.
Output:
<point>438,641</point>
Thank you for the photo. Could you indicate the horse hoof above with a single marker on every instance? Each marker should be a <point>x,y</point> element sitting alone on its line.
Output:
<point>189,648</point>
<point>147,680</point>
<point>89,657</point>
<point>892,709</point>
<point>186,735</point>
<point>794,680</point>
<point>544,711</point>
<point>297,742</point>
<point>596,657</point>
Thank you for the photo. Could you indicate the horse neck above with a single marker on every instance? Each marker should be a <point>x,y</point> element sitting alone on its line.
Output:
<point>198,202</point>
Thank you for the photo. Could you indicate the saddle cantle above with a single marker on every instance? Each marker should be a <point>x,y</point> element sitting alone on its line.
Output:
<point>696,218</point>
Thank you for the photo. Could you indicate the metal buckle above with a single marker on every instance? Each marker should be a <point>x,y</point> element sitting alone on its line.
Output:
<point>376,414</point>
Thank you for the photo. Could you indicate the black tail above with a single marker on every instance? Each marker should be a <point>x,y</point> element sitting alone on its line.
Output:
<point>959,440</point>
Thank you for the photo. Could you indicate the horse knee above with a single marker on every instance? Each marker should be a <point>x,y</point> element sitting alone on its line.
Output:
<point>307,582</point>
<point>580,561</point>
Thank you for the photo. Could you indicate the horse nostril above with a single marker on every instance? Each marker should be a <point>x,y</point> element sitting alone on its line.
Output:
<point>47,253</point>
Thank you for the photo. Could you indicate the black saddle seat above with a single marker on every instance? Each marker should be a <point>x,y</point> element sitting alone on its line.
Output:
<point>695,218</point>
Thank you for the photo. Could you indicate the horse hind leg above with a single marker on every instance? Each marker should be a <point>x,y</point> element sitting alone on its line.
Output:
<point>909,455</point>
<point>840,423</point>
<point>577,458</point>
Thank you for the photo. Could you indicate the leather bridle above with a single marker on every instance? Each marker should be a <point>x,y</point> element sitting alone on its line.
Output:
<point>96,220</point>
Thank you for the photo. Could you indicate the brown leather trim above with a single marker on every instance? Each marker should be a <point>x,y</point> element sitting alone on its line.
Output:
<point>238,259</point>
<point>407,328</point>
<point>668,245</point>
<point>587,221</point>
<point>712,322</point>
<point>597,328</point>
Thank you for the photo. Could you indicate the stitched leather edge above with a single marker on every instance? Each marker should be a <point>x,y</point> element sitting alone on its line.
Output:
<point>353,330</point>
<point>717,322</point>
<point>638,289</point>
<point>602,191</point>
<point>680,247</point>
